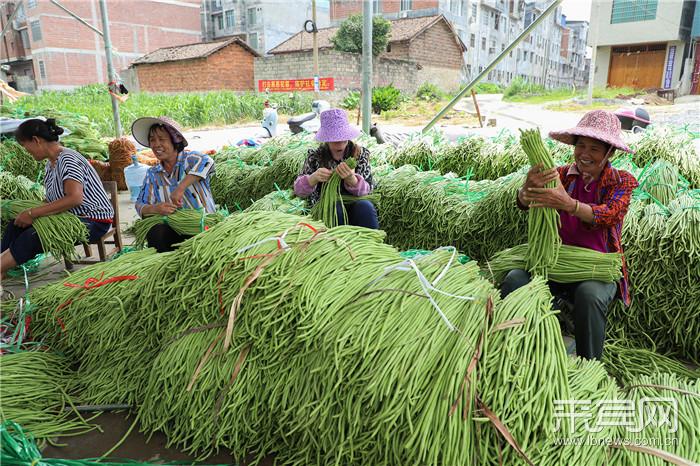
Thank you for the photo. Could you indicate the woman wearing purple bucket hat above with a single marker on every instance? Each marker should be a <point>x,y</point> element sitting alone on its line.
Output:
<point>336,136</point>
<point>592,198</point>
<point>180,180</point>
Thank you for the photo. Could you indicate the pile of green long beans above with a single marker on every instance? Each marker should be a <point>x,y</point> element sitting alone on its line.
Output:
<point>574,264</point>
<point>96,318</point>
<point>187,222</point>
<point>679,435</point>
<point>325,209</point>
<point>662,250</point>
<point>626,362</point>
<point>542,223</point>
<point>59,233</point>
<point>672,144</point>
<point>15,159</point>
<point>282,201</point>
<point>19,187</point>
<point>37,392</point>
<point>661,181</point>
<point>418,153</point>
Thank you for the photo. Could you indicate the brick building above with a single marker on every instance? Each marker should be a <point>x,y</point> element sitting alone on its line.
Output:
<point>226,64</point>
<point>54,51</point>
<point>410,58</point>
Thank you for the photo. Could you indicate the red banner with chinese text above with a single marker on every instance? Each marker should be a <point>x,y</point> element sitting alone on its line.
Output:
<point>294,85</point>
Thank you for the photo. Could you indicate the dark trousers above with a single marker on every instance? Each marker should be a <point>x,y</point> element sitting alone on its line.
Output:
<point>163,238</point>
<point>360,214</point>
<point>24,243</point>
<point>591,299</point>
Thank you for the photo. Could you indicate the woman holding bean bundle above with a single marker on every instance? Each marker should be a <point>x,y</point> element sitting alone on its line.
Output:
<point>180,180</point>
<point>71,184</point>
<point>592,199</point>
<point>331,157</point>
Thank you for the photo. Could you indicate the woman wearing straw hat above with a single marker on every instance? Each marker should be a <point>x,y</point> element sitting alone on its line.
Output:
<point>592,198</point>
<point>336,136</point>
<point>180,180</point>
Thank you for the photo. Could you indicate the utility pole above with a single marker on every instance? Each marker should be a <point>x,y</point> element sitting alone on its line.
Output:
<point>315,39</point>
<point>110,67</point>
<point>366,65</point>
<point>594,52</point>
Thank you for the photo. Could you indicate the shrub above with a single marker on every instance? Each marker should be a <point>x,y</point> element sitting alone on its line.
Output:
<point>429,92</point>
<point>351,101</point>
<point>349,35</point>
<point>520,86</point>
<point>386,98</point>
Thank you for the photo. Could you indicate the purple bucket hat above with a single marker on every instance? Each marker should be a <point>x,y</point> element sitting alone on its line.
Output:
<point>597,124</point>
<point>141,127</point>
<point>335,127</point>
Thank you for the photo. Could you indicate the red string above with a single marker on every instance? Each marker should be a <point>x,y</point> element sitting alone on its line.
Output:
<point>91,283</point>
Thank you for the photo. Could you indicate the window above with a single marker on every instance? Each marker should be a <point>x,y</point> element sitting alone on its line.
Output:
<point>503,47</point>
<point>472,41</point>
<point>25,38</point>
<point>36,30</point>
<point>469,70</point>
<point>31,4</point>
<point>481,68</point>
<point>496,21</point>
<point>483,43</point>
<point>219,21</point>
<point>229,19</point>
<point>474,10</point>
<point>531,54</point>
<point>510,55</point>
<point>252,17</point>
<point>484,19</point>
<point>456,7</point>
<point>376,7</point>
<point>217,3</point>
<point>253,40</point>
<point>42,69</point>
<point>519,55</point>
<point>406,5</point>
<point>628,11</point>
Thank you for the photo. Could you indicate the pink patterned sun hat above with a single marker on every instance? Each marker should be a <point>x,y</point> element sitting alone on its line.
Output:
<point>336,127</point>
<point>597,124</point>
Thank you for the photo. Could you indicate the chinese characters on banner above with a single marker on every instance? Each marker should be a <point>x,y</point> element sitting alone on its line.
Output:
<point>294,85</point>
<point>669,67</point>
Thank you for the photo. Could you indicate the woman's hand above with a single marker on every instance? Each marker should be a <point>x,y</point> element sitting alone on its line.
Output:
<point>177,195</point>
<point>347,174</point>
<point>164,208</point>
<point>24,219</point>
<point>555,198</point>
<point>320,176</point>
<point>538,178</point>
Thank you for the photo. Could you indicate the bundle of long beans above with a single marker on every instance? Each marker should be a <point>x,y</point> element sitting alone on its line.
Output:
<point>16,160</point>
<point>37,387</point>
<point>19,187</point>
<point>326,209</point>
<point>661,181</point>
<point>668,428</point>
<point>59,233</point>
<point>626,362</point>
<point>574,264</point>
<point>282,201</point>
<point>543,223</point>
<point>187,222</point>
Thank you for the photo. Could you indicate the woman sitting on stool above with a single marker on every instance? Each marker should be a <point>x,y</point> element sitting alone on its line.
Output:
<point>180,180</point>
<point>337,146</point>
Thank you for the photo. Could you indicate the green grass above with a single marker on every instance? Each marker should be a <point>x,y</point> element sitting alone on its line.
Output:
<point>542,96</point>
<point>191,110</point>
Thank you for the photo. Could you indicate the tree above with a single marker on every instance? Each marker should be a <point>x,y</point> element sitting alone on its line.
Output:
<point>349,35</point>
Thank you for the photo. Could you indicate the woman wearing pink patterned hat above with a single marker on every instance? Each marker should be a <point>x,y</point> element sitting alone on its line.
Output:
<point>592,198</point>
<point>336,136</point>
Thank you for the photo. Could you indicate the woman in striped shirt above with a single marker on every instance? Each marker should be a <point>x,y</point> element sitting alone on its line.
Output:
<point>180,180</point>
<point>72,185</point>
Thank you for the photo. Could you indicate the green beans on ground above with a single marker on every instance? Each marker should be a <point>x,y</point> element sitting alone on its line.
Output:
<point>37,386</point>
<point>59,233</point>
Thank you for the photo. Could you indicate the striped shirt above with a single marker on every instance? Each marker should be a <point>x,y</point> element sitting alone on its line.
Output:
<point>71,165</point>
<point>158,183</point>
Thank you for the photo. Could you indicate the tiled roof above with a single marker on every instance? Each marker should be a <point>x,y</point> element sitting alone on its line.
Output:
<point>401,30</point>
<point>190,51</point>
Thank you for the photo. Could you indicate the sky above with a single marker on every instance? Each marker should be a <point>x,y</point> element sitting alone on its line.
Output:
<point>577,10</point>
